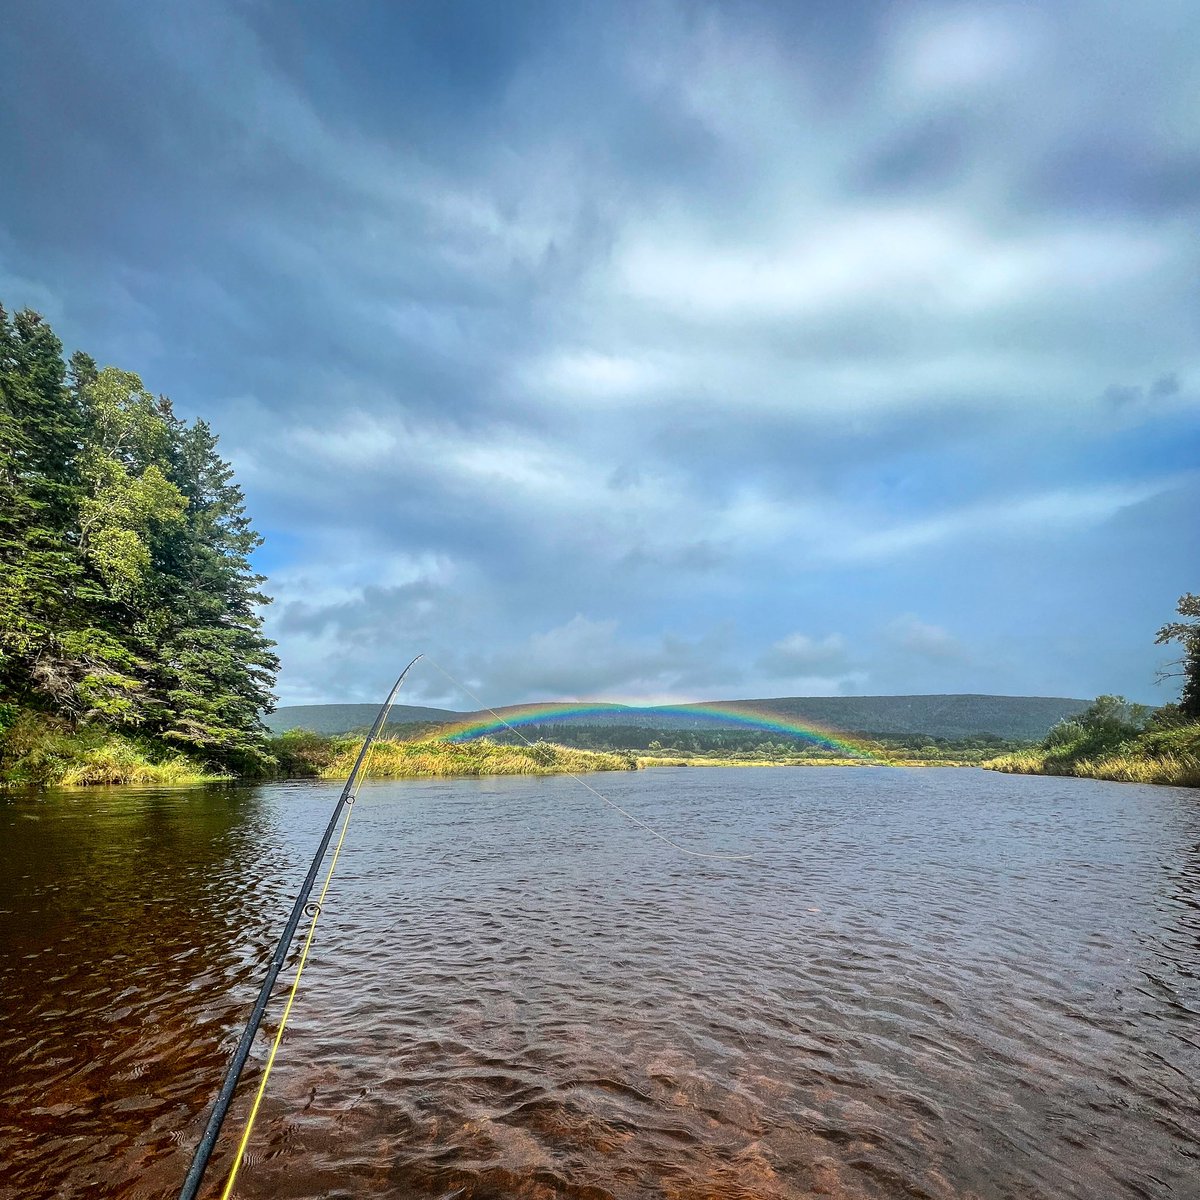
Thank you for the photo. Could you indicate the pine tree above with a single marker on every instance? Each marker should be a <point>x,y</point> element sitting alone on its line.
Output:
<point>127,597</point>
<point>217,667</point>
<point>42,428</point>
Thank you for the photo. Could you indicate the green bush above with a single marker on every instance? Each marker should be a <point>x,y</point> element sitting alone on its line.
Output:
<point>301,753</point>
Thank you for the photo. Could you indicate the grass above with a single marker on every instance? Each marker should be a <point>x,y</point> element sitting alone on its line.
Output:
<point>705,760</point>
<point>44,751</point>
<point>1168,756</point>
<point>301,752</point>
<point>119,762</point>
<point>432,759</point>
<point>671,758</point>
<point>1122,767</point>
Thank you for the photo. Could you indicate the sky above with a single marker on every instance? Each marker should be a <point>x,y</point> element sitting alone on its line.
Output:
<point>656,351</point>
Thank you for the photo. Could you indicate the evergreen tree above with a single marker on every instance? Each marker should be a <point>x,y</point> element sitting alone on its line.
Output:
<point>127,503</point>
<point>216,667</point>
<point>126,593</point>
<point>42,427</point>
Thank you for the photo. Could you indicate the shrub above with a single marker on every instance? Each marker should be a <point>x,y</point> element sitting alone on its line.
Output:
<point>301,753</point>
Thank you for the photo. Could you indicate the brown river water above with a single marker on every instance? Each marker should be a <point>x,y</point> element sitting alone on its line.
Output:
<point>921,984</point>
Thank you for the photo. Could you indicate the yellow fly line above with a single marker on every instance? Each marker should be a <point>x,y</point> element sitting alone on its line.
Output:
<point>302,906</point>
<point>287,1011</point>
<point>349,796</point>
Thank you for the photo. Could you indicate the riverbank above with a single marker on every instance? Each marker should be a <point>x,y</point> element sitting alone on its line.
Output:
<point>46,753</point>
<point>883,757</point>
<point>1168,756</point>
<point>302,753</point>
<point>433,759</point>
<point>41,751</point>
<point>702,760</point>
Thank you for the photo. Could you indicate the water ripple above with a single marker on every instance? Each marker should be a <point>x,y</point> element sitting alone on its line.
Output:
<point>923,984</point>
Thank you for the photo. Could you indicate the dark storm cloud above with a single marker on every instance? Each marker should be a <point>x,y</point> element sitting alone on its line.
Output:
<point>656,349</point>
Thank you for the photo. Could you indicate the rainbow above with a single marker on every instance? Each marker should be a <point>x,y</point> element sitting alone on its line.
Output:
<point>743,716</point>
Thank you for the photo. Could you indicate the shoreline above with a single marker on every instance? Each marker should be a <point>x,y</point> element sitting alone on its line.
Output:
<point>121,763</point>
<point>1166,770</point>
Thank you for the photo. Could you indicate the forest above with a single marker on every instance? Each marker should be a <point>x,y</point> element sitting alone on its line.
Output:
<point>131,642</point>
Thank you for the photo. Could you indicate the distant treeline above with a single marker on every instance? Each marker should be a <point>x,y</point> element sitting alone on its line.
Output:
<point>734,742</point>
<point>128,606</point>
<point>952,718</point>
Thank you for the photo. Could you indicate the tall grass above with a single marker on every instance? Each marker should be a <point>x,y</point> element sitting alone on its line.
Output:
<point>393,759</point>
<point>43,750</point>
<point>119,762</point>
<point>672,758</point>
<point>1165,756</point>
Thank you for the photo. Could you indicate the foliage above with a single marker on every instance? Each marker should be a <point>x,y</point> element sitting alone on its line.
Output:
<point>755,746</point>
<point>127,601</point>
<point>1107,724</point>
<point>393,759</point>
<point>120,761</point>
<point>1142,761</point>
<point>1187,634</point>
<point>1113,739</point>
<point>44,750</point>
<point>303,753</point>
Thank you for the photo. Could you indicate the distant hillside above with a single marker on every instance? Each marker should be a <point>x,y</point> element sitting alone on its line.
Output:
<point>342,718</point>
<point>1020,718</point>
<point>1024,718</point>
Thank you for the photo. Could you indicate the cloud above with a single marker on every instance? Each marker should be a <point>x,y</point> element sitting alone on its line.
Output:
<point>1164,394</point>
<point>594,659</point>
<point>1019,518</point>
<point>602,351</point>
<point>798,654</point>
<point>921,640</point>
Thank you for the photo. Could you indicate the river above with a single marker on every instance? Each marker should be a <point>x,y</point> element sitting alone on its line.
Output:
<point>938,983</point>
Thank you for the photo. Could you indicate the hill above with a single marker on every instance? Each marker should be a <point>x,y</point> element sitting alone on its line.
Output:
<point>1019,718</point>
<point>342,718</point>
<point>1016,718</point>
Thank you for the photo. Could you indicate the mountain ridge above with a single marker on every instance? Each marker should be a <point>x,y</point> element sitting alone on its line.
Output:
<point>944,715</point>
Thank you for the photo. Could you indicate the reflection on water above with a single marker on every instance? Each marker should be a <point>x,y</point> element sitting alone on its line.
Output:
<point>938,984</point>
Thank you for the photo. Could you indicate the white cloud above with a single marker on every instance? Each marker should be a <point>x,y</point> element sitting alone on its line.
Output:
<point>924,641</point>
<point>956,53</point>
<point>591,374</point>
<point>1027,517</point>
<point>799,655</point>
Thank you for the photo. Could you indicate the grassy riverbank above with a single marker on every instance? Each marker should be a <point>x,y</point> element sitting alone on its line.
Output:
<point>393,759</point>
<point>1120,768</point>
<point>703,760</point>
<point>44,752</point>
<point>304,753</point>
<point>1162,753</point>
<point>301,753</point>
<point>41,751</point>
<point>884,757</point>
<point>669,759</point>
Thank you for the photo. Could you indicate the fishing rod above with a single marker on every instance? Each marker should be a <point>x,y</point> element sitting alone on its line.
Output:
<point>191,1183</point>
